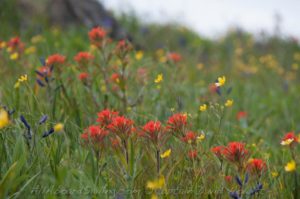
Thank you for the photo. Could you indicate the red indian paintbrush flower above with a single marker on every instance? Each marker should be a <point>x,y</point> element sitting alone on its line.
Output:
<point>106,116</point>
<point>228,179</point>
<point>153,130</point>
<point>289,139</point>
<point>241,115</point>
<point>15,44</point>
<point>96,36</point>
<point>94,134</point>
<point>43,72</point>
<point>192,154</point>
<point>175,57</point>
<point>115,77</point>
<point>83,57</point>
<point>235,152</point>
<point>256,166</point>
<point>55,59</point>
<point>121,126</point>
<point>83,76</point>
<point>189,137</point>
<point>217,150</point>
<point>177,123</point>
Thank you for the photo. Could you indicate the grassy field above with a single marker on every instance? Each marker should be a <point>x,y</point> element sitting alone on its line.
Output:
<point>172,115</point>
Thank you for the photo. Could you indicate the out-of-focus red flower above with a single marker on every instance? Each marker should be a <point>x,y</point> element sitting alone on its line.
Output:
<point>15,44</point>
<point>177,123</point>
<point>83,57</point>
<point>256,166</point>
<point>152,130</point>
<point>115,142</point>
<point>217,150</point>
<point>175,57</point>
<point>235,152</point>
<point>83,76</point>
<point>55,59</point>
<point>290,138</point>
<point>228,179</point>
<point>97,35</point>
<point>94,134</point>
<point>142,74</point>
<point>123,47</point>
<point>189,137</point>
<point>192,154</point>
<point>213,88</point>
<point>43,72</point>
<point>105,117</point>
<point>241,115</point>
<point>115,77</point>
<point>121,126</point>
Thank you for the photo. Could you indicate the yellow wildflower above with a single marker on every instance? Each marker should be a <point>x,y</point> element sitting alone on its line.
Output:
<point>30,50</point>
<point>221,81</point>
<point>139,55</point>
<point>14,56</point>
<point>290,166</point>
<point>3,44</point>
<point>4,118</point>
<point>58,127</point>
<point>156,184</point>
<point>166,154</point>
<point>37,39</point>
<point>154,196</point>
<point>200,138</point>
<point>159,78</point>
<point>203,108</point>
<point>9,49</point>
<point>21,79</point>
<point>274,174</point>
<point>229,103</point>
<point>287,142</point>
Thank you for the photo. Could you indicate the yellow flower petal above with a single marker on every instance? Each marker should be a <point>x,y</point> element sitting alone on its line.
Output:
<point>166,154</point>
<point>229,103</point>
<point>290,166</point>
<point>156,184</point>
<point>286,142</point>
<point>203,108</point>
<point>58,127</point>
<point>221,81</point>
<point>159,78</point>
<point>4,119</point>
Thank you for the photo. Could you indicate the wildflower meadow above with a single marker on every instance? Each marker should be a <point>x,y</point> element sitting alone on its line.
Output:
<point>166,115</point>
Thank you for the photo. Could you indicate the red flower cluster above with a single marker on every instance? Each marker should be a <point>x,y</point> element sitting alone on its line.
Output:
<point>16,44</point>
<point>152,130</point>
<point>218,150</point>
<point>175,57</point>
<point>83,76</point>
<point>177,123</point>
<point>290,136</point>
<point>235,152</point>
<point>94,134</point>
<point>121,126</point>
<point>43,72</point>
<point>96,36</point>
<point>189,137</point>
<point>192,154</point>
<point>105,117</point>
<point>241,115</point>
<point>256,166</point>
<point>115,77</point>
<point>83,57</point>
<point>55,59</point>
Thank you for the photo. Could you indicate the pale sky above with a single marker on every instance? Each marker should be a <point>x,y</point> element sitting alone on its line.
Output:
<point>212,17</point>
